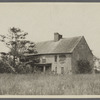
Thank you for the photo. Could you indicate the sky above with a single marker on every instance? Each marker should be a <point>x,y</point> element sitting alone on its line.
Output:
<point>42,20</point>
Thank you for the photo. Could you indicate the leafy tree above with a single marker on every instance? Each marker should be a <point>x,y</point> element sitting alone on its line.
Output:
<point>18,45</point>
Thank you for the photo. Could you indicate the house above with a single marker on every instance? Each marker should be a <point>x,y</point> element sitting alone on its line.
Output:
<point>61,54</point>
<point>96,64</point>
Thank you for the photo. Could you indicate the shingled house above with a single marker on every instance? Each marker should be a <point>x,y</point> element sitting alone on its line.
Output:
<point>61,54</point>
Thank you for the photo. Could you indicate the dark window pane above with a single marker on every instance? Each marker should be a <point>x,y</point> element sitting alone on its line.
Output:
<point>62,57</point>
<point>56,70</point>
<point>62,70</point>
<point>55,58</point>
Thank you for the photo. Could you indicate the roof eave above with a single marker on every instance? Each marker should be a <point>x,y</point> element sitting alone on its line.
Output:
<point>47,54</point>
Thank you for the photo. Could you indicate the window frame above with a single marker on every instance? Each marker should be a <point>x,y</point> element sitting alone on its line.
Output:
<point>56,70</point>
<point>62,71</point>
<point>55,58</point>
<point>43,59</point>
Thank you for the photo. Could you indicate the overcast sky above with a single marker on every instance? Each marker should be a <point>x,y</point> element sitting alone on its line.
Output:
<point>41,20</point>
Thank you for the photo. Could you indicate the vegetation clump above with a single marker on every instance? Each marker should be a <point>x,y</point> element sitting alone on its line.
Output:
<point>44,84</point>
<point>15,60</point>
<point>84,66</point>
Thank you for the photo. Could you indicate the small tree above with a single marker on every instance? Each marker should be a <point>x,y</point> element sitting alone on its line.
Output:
<point>84,66</point>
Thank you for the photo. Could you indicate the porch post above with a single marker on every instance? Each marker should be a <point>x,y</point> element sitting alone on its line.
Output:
<point>44,68</point>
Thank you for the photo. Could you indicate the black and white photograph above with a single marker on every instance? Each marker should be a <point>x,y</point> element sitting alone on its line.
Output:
<point>50,49</point>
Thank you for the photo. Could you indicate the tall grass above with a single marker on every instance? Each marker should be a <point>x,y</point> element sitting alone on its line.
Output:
<point>43,84</point>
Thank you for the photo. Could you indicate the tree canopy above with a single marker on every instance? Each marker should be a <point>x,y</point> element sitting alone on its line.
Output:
<point>16,41</point>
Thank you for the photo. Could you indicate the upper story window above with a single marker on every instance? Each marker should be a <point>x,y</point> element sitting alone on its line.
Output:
<point>55,58</point>
<point>43,59</point>
<point>62,57</point>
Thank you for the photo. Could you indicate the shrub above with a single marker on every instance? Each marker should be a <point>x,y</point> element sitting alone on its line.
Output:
<point>23,68</point>
<point>84,66</point>
<point>4,68</point>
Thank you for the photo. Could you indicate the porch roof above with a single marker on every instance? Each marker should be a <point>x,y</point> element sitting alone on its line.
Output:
<point>42,64</point>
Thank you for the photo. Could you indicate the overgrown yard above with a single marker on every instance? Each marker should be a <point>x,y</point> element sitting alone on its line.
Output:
<point>30,84</point>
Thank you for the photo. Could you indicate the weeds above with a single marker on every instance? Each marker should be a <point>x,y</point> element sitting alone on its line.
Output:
<point>44,84</point>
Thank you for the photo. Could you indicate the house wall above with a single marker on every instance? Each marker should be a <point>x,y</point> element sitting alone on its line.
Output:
<point>81,52</point>
<point>49,59</point>
<point>66,64</point>
<point>61,62</point>
<point>69,63</point>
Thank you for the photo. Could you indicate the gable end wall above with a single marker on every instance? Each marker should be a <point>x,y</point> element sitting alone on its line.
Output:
<point>81,52</point>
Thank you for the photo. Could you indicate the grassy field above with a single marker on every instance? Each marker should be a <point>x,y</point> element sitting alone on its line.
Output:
<point>30,84</point>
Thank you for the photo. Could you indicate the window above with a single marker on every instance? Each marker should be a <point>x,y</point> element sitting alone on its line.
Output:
<point>56,70</point>
<point>62,70</point>
<point>43,59</point>
<point>55,58</point>
<point>62,57</point>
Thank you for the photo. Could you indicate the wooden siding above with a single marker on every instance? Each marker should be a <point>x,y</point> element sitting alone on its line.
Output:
<point>81,52</point>
<point>65,63</point>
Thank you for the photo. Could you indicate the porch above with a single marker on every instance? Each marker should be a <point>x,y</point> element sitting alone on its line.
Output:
<point>39,67</point>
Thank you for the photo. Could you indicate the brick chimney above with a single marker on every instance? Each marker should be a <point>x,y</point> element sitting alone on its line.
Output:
<point>57,37</point>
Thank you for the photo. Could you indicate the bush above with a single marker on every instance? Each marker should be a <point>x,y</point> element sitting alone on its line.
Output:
<point>28,68</point>
<point>84,66</point>
<point>20,68</point>
<point>4,68</point>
